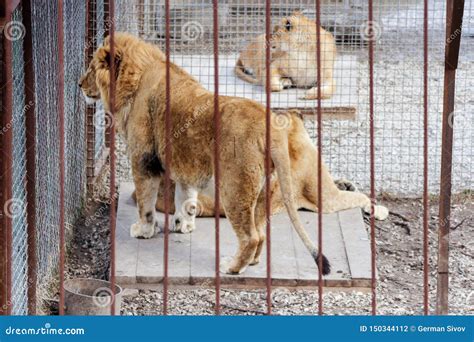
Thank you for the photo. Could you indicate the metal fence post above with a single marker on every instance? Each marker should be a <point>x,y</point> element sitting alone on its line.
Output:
<point>6,163</point>
<point>454,17</point>
<point>30,122</point>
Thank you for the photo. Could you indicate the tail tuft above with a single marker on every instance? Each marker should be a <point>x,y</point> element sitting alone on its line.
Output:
<point>326,265</point>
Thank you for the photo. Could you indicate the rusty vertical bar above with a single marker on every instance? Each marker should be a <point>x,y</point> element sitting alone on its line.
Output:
<point>90,41</point>
<point>268,163</point>
<point>106,23</point>
<point>30,123</point>
<point>6,144</point>
<point>426,265</point>
<point>217,141</point>
<point>112,210</point>
<point>62,240</point>
<point>167,157</point>
<point>454,18</point>
<point>320,160</point>
<point>372,157</point>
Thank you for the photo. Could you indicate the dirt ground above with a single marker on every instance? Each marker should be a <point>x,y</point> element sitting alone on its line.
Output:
<point>399,266</point>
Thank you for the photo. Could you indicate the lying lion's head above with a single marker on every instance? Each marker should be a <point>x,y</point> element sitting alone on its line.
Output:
<point>293,31</point>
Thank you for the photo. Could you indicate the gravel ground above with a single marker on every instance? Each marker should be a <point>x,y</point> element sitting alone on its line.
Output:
<point>399,265</point>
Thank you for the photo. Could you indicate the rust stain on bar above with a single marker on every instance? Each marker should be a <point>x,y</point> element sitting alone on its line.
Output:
<point>320,158</point>
<point>112,208</point>
<point>217,126</point>
<point>267,155</point>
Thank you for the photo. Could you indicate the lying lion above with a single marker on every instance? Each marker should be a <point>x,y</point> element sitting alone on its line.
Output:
<point>140,115</point>
<point>303,162</point>
<point>293,58</point>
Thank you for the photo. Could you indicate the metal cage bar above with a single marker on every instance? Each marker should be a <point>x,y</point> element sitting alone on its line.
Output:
<point>167,157</point>
<point>30,123</point>
<point>217,130</point>
<point>320,159</point>
<point>426,266</point>
<point>6,143</point>
<point>90,41</point>
<point>62,231</point>
<point>112,154</point>
<point>268,166</point>
<point>372,157</point>
<point>454,18</point>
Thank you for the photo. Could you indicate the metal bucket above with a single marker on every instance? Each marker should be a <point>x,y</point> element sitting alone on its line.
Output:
<point>90,297</point>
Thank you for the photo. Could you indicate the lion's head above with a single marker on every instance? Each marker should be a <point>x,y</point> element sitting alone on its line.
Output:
<point>95,82</point>
<point>88,85</point>
<point>131,57</point>
<point>293,31</point>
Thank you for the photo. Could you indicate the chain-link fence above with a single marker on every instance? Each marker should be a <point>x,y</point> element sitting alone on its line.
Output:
<point>18,204</point>
<point>398,72</point>
<point>44,36</point>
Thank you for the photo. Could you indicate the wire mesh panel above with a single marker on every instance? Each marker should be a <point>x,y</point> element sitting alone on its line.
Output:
<point>74,32</point>
<point>47,172</point>
<point>18,201</point>
<point>45,59</point>
<point>398,72</point>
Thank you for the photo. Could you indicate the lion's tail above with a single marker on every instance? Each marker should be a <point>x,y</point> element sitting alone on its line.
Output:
<point>281,158</point>
<point>240,73</point>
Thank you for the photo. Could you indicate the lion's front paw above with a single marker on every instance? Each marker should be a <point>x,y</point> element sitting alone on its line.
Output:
<point>380,212</point>
<point>183,224</point>
<point>140,230</point>
<point>228,266</point>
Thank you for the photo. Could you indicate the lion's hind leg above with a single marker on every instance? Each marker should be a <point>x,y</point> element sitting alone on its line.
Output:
<point>239,195</point>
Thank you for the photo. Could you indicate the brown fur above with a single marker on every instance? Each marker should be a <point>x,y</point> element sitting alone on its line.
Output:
<point>140,118</point>
<point>304,161</point>
<point>293,60</point>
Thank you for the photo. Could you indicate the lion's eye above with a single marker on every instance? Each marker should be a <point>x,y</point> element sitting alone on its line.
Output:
<point>288,25</point>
